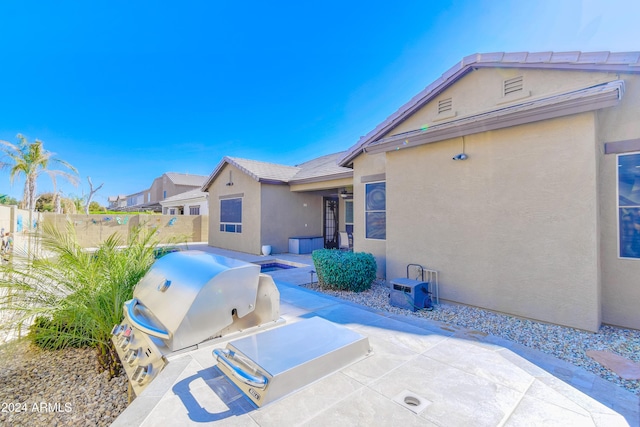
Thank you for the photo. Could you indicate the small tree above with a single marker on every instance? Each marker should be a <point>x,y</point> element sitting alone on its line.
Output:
<point>8,200</point>
<point>45,202</point>
<point>96,207</point>
<point>78,202</point>
<point>92,191</point>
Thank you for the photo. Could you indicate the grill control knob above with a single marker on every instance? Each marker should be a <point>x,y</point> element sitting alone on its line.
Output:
<point>132,356</point>
<point>127,336</point>
<point>117,330</point>
<point>142,374</point>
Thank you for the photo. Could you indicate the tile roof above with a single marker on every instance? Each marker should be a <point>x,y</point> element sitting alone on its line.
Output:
<point>191,194</point>
<point>320,167</point>
<point>324,167</point>
<point>624,62</point>
<point>186,179</point>
<point>264,171</point>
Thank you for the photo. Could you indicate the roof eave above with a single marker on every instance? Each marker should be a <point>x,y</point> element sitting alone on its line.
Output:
<point>626,62</point>
<point>182,201</point>
<point>341,175</point>
<point>218,169</point>
<point>452,75</point>
<point>214,174</point>
<point>456,129</point>
<point>271,181</point>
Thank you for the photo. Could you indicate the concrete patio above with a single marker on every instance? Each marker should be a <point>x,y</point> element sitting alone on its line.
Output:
<point>460,377</point>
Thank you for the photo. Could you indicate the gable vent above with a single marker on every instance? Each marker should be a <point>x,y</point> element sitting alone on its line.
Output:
<point>444,105</point>
<point>513,85</point>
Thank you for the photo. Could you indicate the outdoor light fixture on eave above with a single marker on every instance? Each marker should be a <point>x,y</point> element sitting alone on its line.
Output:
<point>344,194</point>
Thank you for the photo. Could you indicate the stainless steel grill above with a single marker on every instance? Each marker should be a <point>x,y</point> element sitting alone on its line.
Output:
<point>188,298</point>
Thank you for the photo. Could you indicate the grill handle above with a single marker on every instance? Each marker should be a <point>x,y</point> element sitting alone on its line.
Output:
<point>141,324</point>
<point>226,357</point>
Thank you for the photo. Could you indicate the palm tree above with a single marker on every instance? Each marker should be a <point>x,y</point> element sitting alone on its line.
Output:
<point>31,160</point>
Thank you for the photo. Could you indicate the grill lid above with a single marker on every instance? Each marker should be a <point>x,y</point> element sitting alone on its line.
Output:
<point>187,295</point>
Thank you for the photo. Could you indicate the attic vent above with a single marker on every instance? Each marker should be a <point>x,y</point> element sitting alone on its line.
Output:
<point>444,105</point>
<point>512,85</point>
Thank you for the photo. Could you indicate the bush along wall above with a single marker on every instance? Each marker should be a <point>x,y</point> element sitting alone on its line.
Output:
<point>351,271</point>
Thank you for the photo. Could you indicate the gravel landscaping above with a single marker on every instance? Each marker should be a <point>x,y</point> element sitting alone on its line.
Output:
<point>56,388</point>
<point>564,343</point>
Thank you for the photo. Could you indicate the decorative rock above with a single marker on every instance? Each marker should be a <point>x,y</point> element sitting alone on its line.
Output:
<point>60,388</point>
<point>624,367</point>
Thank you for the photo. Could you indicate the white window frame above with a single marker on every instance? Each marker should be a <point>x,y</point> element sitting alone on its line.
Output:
<point>194,208</point>
<point>618,207</point>
<point>345,212</point>
<point>234,227</point>
<point>374,211</point>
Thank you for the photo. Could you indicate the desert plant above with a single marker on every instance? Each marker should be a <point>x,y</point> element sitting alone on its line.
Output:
<point>353,271</point>
<point>74,297</point>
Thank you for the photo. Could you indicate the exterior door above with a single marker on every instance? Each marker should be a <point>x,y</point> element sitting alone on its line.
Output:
<point>330,220</point>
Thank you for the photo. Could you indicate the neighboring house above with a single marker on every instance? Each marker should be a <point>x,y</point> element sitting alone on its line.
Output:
<point>167,185</point>
<point>542,218</point>
<point>253,203</point>
<point>117,202</point>
<point>192,202</point>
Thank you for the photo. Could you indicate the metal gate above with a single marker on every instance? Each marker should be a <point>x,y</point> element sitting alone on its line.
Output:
<point>330,219</point>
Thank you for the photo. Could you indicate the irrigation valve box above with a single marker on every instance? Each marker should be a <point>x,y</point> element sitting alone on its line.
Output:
<point>410,294</point>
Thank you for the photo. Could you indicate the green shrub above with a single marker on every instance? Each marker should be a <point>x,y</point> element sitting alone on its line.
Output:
<point>352,271</point>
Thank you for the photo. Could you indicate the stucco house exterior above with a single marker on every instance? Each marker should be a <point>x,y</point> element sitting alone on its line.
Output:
<point>517,177</point>
<point>192,202</point>
<point>117,202</point>
<point>254,203</point>
<point>167,185</point>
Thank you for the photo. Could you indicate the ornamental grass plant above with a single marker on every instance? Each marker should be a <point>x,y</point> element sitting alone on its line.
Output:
<point>70,297</point>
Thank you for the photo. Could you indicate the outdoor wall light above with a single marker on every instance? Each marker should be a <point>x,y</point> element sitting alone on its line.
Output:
<point>344,194</point>
<point>461,156</point>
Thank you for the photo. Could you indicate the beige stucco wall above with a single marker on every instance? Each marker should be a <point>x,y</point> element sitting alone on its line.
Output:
<point>481,91</point>
<point>91,230</point>
<point>514,228</point>
<point>620,277</point>
<point>287,214</point>
<point>155,191</point>
<point>247,187</point>
<point>10,219</point>
<point>271,213</point>
<point>6,216</point>
<point>366,166</point>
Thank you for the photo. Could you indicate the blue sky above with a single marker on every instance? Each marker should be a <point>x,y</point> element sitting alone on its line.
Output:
<point>126,91</point>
